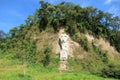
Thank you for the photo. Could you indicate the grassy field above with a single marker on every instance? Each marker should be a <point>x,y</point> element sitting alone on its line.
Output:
<point>38,75</point>
<point>13,70</point>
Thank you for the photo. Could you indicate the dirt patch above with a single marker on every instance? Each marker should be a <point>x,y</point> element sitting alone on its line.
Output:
<point>63,66</point>
<point>105,45</point>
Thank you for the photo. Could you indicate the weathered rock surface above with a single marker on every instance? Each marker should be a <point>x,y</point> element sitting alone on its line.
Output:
<point>63,41</point>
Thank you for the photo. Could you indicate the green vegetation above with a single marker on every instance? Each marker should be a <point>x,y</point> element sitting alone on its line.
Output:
<point>111,71</point>
<point>77,19</point>
<point>26,52</point>
<point>103,54</point>
<point>13,70</point>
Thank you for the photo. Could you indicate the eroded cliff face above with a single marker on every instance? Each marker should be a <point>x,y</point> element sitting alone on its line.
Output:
<point>61,44</point>
<point>104,45</point>
<point>67,47</point>
<point>64,45</point>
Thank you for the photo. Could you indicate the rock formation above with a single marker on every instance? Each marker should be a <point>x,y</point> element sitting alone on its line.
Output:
<point>63,41</point>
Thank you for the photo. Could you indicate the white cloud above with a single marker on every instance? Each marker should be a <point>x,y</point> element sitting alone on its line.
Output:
<point>108,1</point>
<point>114,10</point>
<point>84,4</point>
<point>52,1</point>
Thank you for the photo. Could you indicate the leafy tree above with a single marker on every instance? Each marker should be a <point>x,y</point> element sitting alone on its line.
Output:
<point>115,23</point>
<point>2,35</point>
<point>13,31</point>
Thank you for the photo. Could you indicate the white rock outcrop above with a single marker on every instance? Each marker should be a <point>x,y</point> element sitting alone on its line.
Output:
<point>63,41</point>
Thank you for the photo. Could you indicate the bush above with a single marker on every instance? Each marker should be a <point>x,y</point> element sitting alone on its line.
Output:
<point>84,43</point>
<point>101,53</point>
<point>112,71</point>
<point>46,59</point>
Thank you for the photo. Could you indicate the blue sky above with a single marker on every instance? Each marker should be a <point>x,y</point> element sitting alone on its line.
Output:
<point>15,12</point>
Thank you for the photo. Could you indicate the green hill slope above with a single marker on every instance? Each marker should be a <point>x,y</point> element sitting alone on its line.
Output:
<point>31,50</point>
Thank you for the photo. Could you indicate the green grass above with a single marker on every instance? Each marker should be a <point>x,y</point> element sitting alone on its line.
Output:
<point>13,70</point>
<point>37,75</point>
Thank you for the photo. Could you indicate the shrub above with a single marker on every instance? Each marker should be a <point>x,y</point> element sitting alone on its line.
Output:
<point>46,59</point>
<point>84,43</point>
<point>101,53</point>
<point>112,71</point>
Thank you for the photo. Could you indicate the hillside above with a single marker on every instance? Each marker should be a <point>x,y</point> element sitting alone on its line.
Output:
<point>32,51</point>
